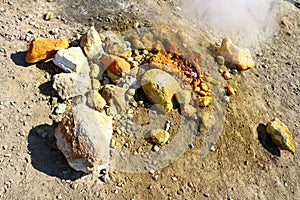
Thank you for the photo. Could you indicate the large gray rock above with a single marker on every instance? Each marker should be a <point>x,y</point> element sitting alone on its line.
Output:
<point>69,85</point>
<point>92,44</point>
<point>84,138</point>
<point>71,60</point>
<point>159,87</point>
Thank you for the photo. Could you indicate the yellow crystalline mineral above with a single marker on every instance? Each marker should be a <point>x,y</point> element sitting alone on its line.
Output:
<point>280,135</point>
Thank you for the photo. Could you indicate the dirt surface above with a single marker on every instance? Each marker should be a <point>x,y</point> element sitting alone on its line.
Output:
<point>242,164</point>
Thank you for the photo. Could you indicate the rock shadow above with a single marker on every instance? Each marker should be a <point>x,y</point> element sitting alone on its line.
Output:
<point>45,156</point>
<point>19,59</point>
<point>266,140</point>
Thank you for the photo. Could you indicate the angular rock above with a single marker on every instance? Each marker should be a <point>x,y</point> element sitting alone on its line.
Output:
<point>44,48</point>
<point>241,58</point>
<point>183,97</point>
<point>92,44</point>
<point>117,65</point>
<point>204,101</point>
<point>95,100</point>
<point>230,90</point>
<point>159,136</point>
<point>69,85</point>
<point>84,138</point>
<point>71,60</point>
<point>115,97</point>
<point>159,87</point>
<point>281,135</point>
<point>188,110</point>
<point>115,44</point>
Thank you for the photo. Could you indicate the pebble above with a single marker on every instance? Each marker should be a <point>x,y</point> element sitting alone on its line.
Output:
<point>234,71</point>
<point>105,178</point>
<point>155,177</point>
<point>131,92</point>
<point>227,76</point>
<point>60,109</point>
<point>151,171</point>
<point>167,125</point>
<point>4,147</point>
<point>213,148</point>
<point>206,195</point>
<point>54,31</point>
<point>174,178</point>
<point>155,148</point>
<point>191,146</point>
<point>48,16</point>
<point>220,60</point>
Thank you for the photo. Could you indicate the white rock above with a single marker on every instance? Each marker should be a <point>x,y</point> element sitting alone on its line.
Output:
<point>84,138</point>
<point>69,85</point>
<point>92,44</point>
<point>60,109</point>
<point>71,60</point>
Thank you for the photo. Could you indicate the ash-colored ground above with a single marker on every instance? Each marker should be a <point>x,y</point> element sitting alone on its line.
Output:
<point>241,165</point>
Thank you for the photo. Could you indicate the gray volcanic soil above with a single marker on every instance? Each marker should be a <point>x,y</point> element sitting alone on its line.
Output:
<point>243,164</point>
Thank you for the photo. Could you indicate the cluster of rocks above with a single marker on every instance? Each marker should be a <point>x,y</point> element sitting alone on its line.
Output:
<point>100,81</point>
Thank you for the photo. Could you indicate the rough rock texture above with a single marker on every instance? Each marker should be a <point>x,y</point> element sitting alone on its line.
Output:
<point>71,60</point>
<point>159,87</point>
<point>69,85</point>
<point>188,110</point>
<point>230,90</point>
<point>95,100</point>
<point>115,44</point>
<point>204,101</point>
<point>281,135</point>
<point>117,65</point>
<point>115,97</point>
<point>159,136</point>
<point>241,58</point>
<point>92,44</point>
<point>183,97</point>
<point>84,138</point>
<point>44,48</point>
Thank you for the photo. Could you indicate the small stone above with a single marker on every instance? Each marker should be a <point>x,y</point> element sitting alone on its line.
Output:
<point>92,44</point>
<point>234,71</point>
<point>227,76</point>
<point>115,97</point>
<point>206,195</point>
<point>280,134</point>
<point>220,60</point>
<point>155,177</point>
<point>95,100</point>
<point>60,109</point>
<point>174,178</point>
<point>183,97</point>
<point>155,148</point>
<point>131,92</point>
<point>71,60</point>
<point>113,77</point>
<point>105,178</point>
<point>241,58</point>
<point>159,136</point>
<point>151,171</point>
<point>54,31</point>
<point>117,65</point>
<point>213,148</point>
<point>204,101</point>
<point>188,110</point>
<point>44,48</point>
<point>4,147</point>
<point>204,86</point>
<point>230,90</point>
<point>48,16</point>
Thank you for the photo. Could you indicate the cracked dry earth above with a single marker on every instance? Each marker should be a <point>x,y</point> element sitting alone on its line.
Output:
<point>242,163</point>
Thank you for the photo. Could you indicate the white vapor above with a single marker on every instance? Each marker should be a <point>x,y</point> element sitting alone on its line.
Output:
<point>249,20</point>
